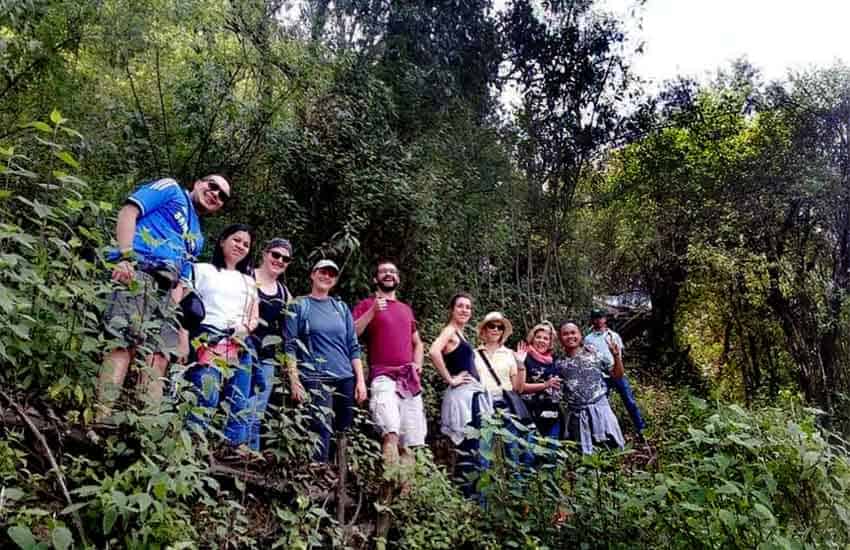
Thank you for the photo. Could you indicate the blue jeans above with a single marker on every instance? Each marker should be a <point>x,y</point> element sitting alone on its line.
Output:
<point>470,464</point>
<point>207,380</point>
<point>261,391</point>
<point>331,410</point>
<point>622,387</point>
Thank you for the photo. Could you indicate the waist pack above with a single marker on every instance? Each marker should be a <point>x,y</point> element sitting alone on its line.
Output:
<point>192,310</point>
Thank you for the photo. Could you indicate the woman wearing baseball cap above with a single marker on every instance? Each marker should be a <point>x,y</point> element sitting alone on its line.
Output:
<point>323,357</point>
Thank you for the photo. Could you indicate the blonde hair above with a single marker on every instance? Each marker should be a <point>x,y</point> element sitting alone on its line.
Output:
<point>543,325</point>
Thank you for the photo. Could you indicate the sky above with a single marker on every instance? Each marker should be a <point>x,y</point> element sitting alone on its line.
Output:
<point>696,37</point>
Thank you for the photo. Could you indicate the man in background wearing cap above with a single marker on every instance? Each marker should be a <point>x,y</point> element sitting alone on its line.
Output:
<point>598,338</point>
<point>395,364</point>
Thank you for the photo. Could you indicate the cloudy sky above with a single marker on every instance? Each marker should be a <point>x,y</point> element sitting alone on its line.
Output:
<point>695,37</point>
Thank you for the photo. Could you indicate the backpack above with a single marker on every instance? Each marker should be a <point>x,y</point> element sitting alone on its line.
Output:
<point>303,309</point>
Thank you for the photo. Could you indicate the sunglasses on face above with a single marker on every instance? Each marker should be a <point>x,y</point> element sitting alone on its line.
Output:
<point>496,326</point>
<point>280,257</point>
<point>213,186</point>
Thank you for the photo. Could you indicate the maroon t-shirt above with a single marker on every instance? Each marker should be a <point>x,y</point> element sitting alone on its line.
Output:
<point>389,336</point>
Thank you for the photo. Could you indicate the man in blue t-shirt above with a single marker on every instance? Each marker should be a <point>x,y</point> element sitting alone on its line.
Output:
<point>598,338</point>
<point>159,236</point>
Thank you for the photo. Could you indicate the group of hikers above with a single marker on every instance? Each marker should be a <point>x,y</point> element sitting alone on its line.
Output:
<point>238,329</point>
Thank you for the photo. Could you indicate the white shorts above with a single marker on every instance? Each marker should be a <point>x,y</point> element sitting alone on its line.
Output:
<point>392,414</point>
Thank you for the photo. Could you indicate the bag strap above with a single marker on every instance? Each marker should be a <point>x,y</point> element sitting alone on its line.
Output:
<point>304,321</point>
<point>284,293</point>
<point>490,367</point>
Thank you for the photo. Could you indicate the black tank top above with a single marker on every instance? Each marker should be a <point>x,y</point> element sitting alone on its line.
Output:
<point>271,311</point>
<point>461,359</point>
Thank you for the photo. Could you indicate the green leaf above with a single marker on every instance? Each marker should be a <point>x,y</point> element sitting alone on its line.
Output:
<point>21,331</point>
<point>143,500</point>
<point>62,538</point>
<point>13,493</point>
<point>56,117</point>
<point>72,132</point>
<point>73,508</point>
<point>67,158</point>
<point>763,511</point>
<point>729,488</point>
<point>691,507</point>
<point>109,517</point>
<point>40,126</point>
<point>21,536</point>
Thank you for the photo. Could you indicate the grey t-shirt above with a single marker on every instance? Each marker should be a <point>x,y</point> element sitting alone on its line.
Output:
<point>582,377</point>
<point>323,340</point>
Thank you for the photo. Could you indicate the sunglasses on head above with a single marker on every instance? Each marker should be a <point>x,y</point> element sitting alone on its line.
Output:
<point>497,326</point>
<point>214,186</point>
<point>280,257</point>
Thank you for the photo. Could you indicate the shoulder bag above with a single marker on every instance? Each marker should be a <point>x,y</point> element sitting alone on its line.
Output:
<point>516,406</point>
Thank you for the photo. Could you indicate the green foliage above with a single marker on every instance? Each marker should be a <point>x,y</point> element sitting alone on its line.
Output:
<point>367,129</point>
<point>50,288</point>
<point>432,513</point>
<point>731,478</point>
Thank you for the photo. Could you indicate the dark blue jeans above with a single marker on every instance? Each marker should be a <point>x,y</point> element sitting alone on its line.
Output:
<point>331,410</point>
<point>513,449</point>
<point>622,387</point>
<point>469,462</point>
<point>261,390</point>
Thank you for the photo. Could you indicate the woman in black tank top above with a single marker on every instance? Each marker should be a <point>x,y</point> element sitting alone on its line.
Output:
<point>466,401</point>
<point>461,359</point>
<point>274,295</point>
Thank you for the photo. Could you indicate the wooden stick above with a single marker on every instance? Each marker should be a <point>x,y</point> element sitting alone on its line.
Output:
<point>54,465</point>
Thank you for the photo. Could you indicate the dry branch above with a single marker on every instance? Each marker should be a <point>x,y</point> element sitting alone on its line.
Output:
<point>60,477</point>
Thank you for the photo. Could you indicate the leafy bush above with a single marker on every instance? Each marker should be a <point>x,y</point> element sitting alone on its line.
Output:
<point>51,282</point>
<point>735,479</point>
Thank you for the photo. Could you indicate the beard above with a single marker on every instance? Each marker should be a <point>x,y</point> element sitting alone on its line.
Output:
<point>387,286</point>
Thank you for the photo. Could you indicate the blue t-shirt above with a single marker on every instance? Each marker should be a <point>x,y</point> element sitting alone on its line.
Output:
<point>168,232</point>
<point>324,340</point>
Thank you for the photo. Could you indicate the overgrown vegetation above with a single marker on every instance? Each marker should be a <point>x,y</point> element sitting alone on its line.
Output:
<point>363,128</point>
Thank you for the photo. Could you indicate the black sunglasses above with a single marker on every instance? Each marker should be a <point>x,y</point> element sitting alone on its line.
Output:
<point>213,186</point>
<point>497,326</point>
<point>280,257</point>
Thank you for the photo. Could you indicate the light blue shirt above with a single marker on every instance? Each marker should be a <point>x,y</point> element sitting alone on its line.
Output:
<point>598,340</point>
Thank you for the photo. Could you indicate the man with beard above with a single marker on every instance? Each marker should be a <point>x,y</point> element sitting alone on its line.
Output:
<point>395,364</point>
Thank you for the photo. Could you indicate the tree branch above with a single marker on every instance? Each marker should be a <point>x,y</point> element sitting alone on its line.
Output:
<point>54,465</point>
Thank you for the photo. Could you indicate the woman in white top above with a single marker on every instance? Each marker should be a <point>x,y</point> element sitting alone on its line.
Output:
<point>229,295</point>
